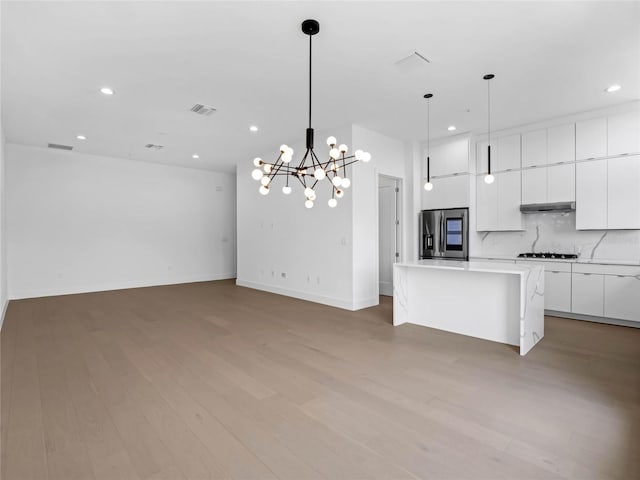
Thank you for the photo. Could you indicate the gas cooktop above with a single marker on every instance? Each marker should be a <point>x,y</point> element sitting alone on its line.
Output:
<point>549,255</point>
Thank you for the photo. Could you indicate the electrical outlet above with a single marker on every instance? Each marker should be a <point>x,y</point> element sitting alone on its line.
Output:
<point>283,275</point>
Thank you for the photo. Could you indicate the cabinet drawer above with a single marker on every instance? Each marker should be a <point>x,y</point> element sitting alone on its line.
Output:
<point>587,294</point>
<point>622,297</point>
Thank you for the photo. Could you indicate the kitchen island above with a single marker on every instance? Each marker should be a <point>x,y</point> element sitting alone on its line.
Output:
<point>502,302</point>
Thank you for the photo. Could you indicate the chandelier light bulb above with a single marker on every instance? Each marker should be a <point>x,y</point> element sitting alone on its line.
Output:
<point>332,202</point>
<point>358,154</point>
<point>331,141</point>
<point>337,181</point>
<point>428,186</point>
<point>346,183</point>
<point>267,168</point>
<point>488,179</point>
<point>343,148</point>
<point>308,204</point>
<point>319,174</point>
<point>334,153</point>
<point>308,192</point>
<point>265,181</point>
<point>366,156</point>
<point>286,189</point>
<point>257,162</point>
<point>339,193</point>
<point>257,174</point>
<point>286,157</point>
<point>283,148</point>
<point>264,190</point>
<point>334,167</point>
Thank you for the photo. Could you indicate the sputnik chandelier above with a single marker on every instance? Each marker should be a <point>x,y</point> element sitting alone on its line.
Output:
<point>311,170</point>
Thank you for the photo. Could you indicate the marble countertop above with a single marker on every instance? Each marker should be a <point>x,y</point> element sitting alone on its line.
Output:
<point>471,266</point>
<point>597,261</point>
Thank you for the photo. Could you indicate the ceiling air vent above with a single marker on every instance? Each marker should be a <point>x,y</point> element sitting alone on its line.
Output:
<point>153,146</point>
<point>203,109</point>
<point>414,58</point>
<point>60,147</point>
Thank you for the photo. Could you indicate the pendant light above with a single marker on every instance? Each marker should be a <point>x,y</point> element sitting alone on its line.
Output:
<point>310,170</point>
<point>428,186</point>
<point>488,178</point>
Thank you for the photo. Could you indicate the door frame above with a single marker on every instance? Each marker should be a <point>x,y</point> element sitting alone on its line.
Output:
<point>399,222</point>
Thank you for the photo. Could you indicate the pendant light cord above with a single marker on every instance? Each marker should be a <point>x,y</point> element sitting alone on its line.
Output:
<point>310,36</point>
<point>428,128</point>
<point>489,110</point>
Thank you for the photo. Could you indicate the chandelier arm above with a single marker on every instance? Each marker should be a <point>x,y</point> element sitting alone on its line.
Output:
<point>279,166</point>
<point>304,159</point>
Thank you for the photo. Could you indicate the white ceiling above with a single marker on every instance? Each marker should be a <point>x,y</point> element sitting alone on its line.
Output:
<point>249,60</point>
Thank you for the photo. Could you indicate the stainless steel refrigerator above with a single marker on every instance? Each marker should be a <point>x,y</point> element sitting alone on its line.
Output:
<point>444,233</point>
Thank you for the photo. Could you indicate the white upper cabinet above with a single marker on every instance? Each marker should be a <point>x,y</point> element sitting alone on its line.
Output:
<point>447,192</point>
<point>561,144</point>
<point>508,154</point>
<point>449,158</point>
<point>505,154</point>
<point>534,185</point>
<point>509,215</point>
<point>498,204</point>
<point>591,139</point>
<point>555,183</point>
<point>534,148</point>
<point>549,146</point>
<point>591,195</point>
<point>486,205</point>
<point>623,192</point>
<point>561,183</point>
<point>623,134</point>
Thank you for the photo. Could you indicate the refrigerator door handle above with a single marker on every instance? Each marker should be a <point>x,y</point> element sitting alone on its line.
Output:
<point>442,234</point>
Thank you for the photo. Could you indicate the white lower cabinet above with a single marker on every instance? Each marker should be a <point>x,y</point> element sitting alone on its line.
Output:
<point>557,284</point>
<point>622,297</point>
<point>587,293</point>
<point>557,291</point>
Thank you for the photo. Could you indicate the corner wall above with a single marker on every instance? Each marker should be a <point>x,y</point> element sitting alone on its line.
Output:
<point>285,248</point>
<point>81,223</point>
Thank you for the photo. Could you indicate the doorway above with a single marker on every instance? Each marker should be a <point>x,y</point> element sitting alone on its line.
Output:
<point>389,230</point>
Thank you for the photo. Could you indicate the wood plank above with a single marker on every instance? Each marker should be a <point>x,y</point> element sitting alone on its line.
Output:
<point>211,380</point>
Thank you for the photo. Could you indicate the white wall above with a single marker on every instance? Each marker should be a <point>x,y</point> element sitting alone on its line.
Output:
<point>388,158</point>
<point>3,230</point>
<point>79,223</point>
<point>278,236</point>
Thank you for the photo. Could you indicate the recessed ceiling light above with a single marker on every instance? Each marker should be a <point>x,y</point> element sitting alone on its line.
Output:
<point>253,128</point>
<point>81,137</point>
<point>106,91</point>
<point>195,155</point>
<point>613,88</point>
<point>451,128</point>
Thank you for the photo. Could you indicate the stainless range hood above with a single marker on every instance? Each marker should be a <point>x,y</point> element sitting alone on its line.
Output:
<point>548,207</point>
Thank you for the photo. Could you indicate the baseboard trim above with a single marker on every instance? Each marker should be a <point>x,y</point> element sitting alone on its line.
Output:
<point>310,297</point>
<point>591,318</point>
<point>4,311</point>
<point>54,292</point>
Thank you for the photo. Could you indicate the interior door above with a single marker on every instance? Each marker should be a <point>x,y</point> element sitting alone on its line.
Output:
<point>388,231</point>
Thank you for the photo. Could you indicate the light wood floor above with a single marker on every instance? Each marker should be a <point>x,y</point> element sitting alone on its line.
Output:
<point>211,380</point>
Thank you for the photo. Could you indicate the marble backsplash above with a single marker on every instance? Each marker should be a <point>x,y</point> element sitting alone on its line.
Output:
<point>556,232</point>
